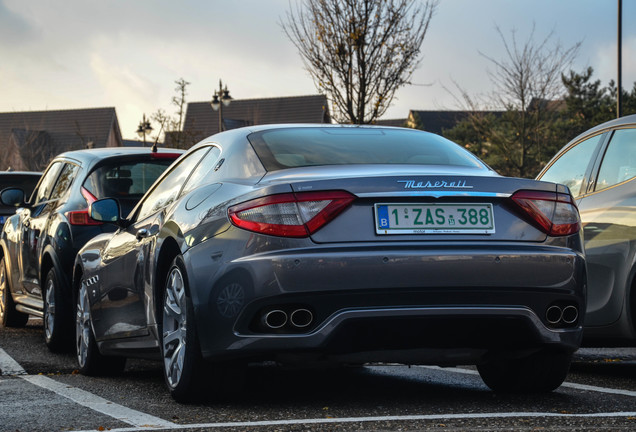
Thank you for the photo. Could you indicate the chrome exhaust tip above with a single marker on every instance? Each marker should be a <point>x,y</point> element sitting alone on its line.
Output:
<point>554,314</point>
<point>301,318</point>
<point>570,314</point>
<point>275,319</point>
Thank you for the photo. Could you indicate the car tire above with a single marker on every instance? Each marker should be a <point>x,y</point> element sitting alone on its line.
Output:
<point>182,361</point>
<point>9,316</point>
<point>90,361</point>
<point>540,372</point>
<point>58,331</point>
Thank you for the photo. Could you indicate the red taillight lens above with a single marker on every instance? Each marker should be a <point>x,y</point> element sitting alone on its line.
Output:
<point>290,215</point>
<point>80,217</point>
<point>553,213</point>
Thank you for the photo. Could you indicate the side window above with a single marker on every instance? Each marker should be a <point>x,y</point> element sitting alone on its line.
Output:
<point>168,188</point>
<point>570,168</point>
<point>203,170</point>
<point>619,162</point>
<point>45,187</point>
<point>64,180</point>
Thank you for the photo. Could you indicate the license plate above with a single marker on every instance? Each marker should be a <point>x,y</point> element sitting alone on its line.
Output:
<point>2,219</point>
<point>434,219</point>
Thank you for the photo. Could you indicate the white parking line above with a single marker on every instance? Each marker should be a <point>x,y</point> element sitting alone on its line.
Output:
<point>435,417</point>
<point>8,366</point>
<point>565,384</point>
<point>99,404</point>
<point>144,422</point>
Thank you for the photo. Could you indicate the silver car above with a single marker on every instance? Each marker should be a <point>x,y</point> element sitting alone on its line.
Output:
<point>599,167</point>
<point>324,243</point>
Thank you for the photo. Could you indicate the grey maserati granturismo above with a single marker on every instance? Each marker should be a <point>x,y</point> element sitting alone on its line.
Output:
<point>298,244</point>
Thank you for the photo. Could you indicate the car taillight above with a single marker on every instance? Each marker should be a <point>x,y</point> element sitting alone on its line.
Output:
<point>291,214</point>
<point>80,217</point>
<point>553,213</point>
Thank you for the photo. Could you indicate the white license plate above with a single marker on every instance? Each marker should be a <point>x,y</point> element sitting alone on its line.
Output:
<point>434,219</point>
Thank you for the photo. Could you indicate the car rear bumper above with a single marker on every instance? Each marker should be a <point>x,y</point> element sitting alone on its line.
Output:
<point>430,304</point>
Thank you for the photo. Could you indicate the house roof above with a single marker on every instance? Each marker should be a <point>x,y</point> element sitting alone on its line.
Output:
<point>436,121</point>
<point>64,129</point>
<point>391,122</point>
<point>204,121</point>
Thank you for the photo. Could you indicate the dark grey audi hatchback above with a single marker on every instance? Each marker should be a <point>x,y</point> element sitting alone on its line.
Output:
<point>342,244</point>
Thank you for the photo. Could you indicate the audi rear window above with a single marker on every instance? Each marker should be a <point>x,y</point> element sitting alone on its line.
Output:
<point>125,179</point>
<point>302,147</point>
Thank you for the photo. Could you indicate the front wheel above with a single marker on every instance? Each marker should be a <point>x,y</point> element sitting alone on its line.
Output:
<point>540,372</point>
<point>58,331</point>
<point>9,316</point>
<point>182,361</point>
<point>90,361</point>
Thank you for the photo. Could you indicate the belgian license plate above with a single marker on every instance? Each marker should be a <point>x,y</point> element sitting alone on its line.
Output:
<point>434,219</point>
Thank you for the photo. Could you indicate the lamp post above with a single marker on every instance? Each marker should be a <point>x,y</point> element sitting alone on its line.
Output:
<point>220,99</point>
<point>144,128</point>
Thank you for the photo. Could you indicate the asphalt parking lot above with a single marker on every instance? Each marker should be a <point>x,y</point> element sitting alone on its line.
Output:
<point>40,391</point>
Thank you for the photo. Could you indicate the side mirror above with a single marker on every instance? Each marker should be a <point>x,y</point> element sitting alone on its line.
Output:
<point>105,210</point>
<point>12,197</point>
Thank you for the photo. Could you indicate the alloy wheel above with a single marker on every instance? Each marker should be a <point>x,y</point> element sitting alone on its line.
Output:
<point>82,326</point>
<point>174,327</point>
<point>49,309</point>
<point>4,290</point>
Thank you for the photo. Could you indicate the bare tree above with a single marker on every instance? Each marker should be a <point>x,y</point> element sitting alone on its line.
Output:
<point>359,52</point>
<point>172,127</point>
<point>528,87</point>
<point>34,147</point>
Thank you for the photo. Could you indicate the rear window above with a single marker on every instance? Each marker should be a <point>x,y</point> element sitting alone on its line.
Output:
<point>125,180</point>
<point>302,147</point>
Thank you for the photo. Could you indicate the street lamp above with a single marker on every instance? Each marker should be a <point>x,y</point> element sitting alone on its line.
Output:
<point>144,128</point>
<point>220,99</point>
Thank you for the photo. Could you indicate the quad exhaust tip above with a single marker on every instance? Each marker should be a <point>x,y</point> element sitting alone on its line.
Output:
<point>297,319</point>
<point>557,314</point>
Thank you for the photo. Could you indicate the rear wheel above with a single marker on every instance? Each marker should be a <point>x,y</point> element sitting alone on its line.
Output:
<point>182,362</point>
<point>90,360</point>
<point>540,372</point>
<point>9,316</point>
<point>58,331</point>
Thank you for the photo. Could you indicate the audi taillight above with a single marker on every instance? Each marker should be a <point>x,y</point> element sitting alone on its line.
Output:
<point>290,214</point>
<point>554,213</point>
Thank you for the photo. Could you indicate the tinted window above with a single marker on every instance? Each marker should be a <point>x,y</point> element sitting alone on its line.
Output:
<point>46,185</point>
<point>619,162</point>
<point>300,147</point>
<point>167,190</point>
<point>64,181</point>
<point>570,168</point>
<point>125,180</point>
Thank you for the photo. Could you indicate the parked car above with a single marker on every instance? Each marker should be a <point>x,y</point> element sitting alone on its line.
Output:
<point>25,180</point>
<point>599,167</point>
<point>350,244</point>
<point>38,244</point>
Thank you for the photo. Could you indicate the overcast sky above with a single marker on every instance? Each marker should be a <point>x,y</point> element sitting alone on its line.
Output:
<point>128,53</point>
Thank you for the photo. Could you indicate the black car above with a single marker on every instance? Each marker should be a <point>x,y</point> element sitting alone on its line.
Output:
<point>311,243</point>
<point>38,244</point>
<point>25,180</point>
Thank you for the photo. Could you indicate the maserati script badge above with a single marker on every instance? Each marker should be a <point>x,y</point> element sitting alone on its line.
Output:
<point>412,184</point>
